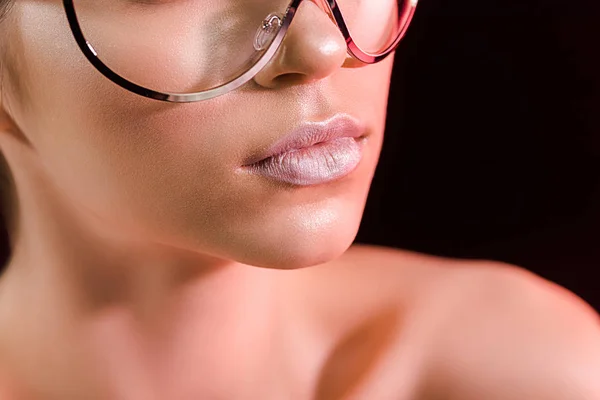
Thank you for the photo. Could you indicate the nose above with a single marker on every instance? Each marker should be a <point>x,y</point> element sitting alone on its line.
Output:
<point>313,49</point>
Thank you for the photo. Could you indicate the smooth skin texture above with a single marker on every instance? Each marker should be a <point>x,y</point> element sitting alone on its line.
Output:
<point>144,267</point>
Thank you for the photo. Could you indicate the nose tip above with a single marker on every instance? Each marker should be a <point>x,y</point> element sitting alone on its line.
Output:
<point>313,49</point>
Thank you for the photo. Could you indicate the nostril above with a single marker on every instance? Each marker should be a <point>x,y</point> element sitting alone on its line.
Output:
<point>291,79</point>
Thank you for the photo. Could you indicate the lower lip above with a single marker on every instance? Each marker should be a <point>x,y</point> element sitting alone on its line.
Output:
<point>321,163</point>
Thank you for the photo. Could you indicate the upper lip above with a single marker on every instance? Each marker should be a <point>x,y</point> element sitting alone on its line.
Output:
<point>311,133</point>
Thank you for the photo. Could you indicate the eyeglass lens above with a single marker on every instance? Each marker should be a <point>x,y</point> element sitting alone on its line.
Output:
<point>189,46</point>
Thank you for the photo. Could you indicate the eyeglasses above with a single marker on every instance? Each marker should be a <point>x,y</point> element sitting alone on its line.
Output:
<point>191,50</point>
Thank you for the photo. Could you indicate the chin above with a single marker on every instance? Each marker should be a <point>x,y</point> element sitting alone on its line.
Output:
<point>291,256</point>
<point>305,237</point>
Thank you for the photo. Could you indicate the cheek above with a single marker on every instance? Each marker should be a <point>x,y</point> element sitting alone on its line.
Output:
<point>95,139</point>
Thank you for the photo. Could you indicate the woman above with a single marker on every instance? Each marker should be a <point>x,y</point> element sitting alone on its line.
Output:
<point>177,166</point>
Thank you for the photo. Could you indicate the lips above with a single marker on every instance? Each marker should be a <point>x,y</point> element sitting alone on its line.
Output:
<point>312,154</point>
<point>311,134</point>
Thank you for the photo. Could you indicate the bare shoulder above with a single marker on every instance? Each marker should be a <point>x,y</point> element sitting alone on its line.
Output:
<point>460,329</point>
<point>474,329</point>
<point>497,331</point>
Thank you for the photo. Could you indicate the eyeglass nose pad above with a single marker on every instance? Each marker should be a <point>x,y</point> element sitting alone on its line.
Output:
<point>268,30</point>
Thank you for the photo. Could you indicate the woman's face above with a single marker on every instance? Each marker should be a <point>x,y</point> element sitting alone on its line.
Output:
<point>170,173</point>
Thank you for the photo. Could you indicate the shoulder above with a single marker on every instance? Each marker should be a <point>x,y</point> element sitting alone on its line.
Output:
<point>500,332</point>
<point>463,329</point>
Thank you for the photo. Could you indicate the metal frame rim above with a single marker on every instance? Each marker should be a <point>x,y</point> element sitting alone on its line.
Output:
<point>353,49</point>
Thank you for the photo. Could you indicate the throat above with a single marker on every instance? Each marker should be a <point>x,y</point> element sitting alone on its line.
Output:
<point>195,344</point>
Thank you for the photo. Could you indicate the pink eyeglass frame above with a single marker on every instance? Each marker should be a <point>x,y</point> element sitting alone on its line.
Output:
<point>353,49</point>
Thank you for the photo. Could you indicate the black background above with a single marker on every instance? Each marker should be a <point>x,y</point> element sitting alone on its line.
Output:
<point>493,142</point>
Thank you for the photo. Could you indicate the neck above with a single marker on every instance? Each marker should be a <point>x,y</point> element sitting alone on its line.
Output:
<point>75,288</point>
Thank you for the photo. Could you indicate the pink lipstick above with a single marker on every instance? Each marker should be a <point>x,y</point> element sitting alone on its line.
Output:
<point>314,153</point>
